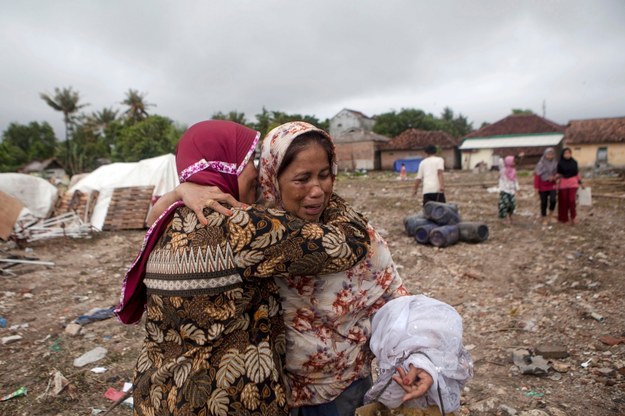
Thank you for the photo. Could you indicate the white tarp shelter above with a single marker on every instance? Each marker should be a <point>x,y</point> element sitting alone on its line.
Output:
<point>159,171</point>
<point>530,140</point>
<point>38,195</point>
<point>477,150</point>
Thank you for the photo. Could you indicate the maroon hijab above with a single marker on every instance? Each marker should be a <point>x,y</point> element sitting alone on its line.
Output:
<point>212,152</point>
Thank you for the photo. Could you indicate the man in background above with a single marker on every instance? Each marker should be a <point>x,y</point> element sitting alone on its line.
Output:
<point>431,174</point>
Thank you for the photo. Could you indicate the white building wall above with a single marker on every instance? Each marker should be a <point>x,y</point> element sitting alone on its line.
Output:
<point>345,120</point>
<point>470,158</point>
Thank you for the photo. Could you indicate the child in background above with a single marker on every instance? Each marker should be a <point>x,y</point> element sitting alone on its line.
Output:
<point>508,188</point>
<point>402,172</point>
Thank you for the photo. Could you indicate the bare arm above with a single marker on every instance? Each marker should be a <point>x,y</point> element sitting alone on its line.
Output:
<point>441,180</point>
<point>415,189</point>
<point>197,197</point>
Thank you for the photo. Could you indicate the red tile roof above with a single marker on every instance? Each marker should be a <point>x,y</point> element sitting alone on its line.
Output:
<point>596,130</point>
<point>528,151</point>
<point>413,139</point>
<point>357,113</point>
<point>518,124</point>
<point>359,135</point>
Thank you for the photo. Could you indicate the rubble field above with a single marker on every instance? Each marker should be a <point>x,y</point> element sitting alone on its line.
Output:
<point>550,295</point>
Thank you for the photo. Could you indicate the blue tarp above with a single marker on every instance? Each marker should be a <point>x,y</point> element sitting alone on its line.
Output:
<point>412,165</point>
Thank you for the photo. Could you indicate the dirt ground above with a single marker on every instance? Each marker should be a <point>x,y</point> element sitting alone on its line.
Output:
<point>528,286</point>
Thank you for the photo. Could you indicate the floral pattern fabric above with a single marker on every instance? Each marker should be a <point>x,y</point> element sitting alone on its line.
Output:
<point>215,338</point>
<point>328,320</point>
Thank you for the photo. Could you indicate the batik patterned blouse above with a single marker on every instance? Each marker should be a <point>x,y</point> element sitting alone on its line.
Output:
<point>215,339</point>
<point>328,321</point>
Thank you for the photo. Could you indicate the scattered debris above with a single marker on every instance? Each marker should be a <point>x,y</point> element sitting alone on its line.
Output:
<point>98,370</point>
<point>89,357</point>
<point>11,339</point>
<point>530,364</point>
<point>56,384</point>
<point>610,340</point>
<point>596,316</point>
<point>22,391</point>
<point>73,329</point>
<point>552,351</point>
<point>561,367</point>
<point>97,314</point>
<point>119,397</point>
<point>65,225</point>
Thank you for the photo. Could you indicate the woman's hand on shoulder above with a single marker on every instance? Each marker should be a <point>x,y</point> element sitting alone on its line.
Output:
<point>197,197</point>
<point>416,382</point>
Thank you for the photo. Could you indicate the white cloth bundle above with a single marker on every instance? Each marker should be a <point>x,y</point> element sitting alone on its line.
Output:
<point>426,333</point>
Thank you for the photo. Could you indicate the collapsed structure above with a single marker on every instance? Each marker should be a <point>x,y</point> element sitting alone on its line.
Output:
<point>117,196</point>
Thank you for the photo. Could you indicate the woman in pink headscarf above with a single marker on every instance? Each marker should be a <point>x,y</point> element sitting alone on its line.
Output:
<point>215,337</point>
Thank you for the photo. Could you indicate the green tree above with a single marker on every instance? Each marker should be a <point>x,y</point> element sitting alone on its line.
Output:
<point>231,116</point>
<point>392,124</point>
<point>522,112</point>
<point>89,146</point>
<point>137,106</point>
<point>267,120</point>
<point>66,101</point>
<point>103,126</point>
<point>24,143</point>
<point>263,119</point>
<point>100,120</point>
<point>456,126</point>
<point>154,136</point>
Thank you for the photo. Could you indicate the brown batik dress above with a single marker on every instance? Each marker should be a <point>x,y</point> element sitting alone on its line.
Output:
<point>215,339</point>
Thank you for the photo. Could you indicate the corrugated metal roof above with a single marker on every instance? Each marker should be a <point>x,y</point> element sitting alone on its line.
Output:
<point>530,140</point>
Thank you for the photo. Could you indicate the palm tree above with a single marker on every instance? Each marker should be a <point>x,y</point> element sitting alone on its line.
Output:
<point>137,105</point>
<point>66,101</point>
<point>99,120</point>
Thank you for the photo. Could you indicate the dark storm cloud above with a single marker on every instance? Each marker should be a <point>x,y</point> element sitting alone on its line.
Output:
<point>481,58</point>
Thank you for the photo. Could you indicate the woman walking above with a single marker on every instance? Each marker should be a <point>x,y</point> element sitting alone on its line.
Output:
<point>568,182</point>
<point>545,182</point>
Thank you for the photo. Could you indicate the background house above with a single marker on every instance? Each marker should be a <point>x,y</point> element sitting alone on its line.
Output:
<point>346,120</point>
<point>358,149</point>
<point>597,142</point>
<point>47,169</point>
<point>527,133</point>
<point>411,144</point>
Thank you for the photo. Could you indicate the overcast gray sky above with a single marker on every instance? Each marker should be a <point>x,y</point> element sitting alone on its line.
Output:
<point>193,58</point>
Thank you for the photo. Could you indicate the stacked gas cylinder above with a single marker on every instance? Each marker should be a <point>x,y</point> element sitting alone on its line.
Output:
<point>441,226</point>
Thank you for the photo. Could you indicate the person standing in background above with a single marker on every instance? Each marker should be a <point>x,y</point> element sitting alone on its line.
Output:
<point>568,182</point>
<point>508,188</point>
<point>431,174</point>
<point>545,182</point>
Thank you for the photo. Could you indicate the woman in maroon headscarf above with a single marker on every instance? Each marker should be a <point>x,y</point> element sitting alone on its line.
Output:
<point>215,336</point>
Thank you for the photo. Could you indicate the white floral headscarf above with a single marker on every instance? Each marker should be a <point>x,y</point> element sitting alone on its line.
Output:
<point>272,153</point>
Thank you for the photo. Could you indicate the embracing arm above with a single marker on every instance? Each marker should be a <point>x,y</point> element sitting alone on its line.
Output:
<point>197,197</point>
<point>268,242</point>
